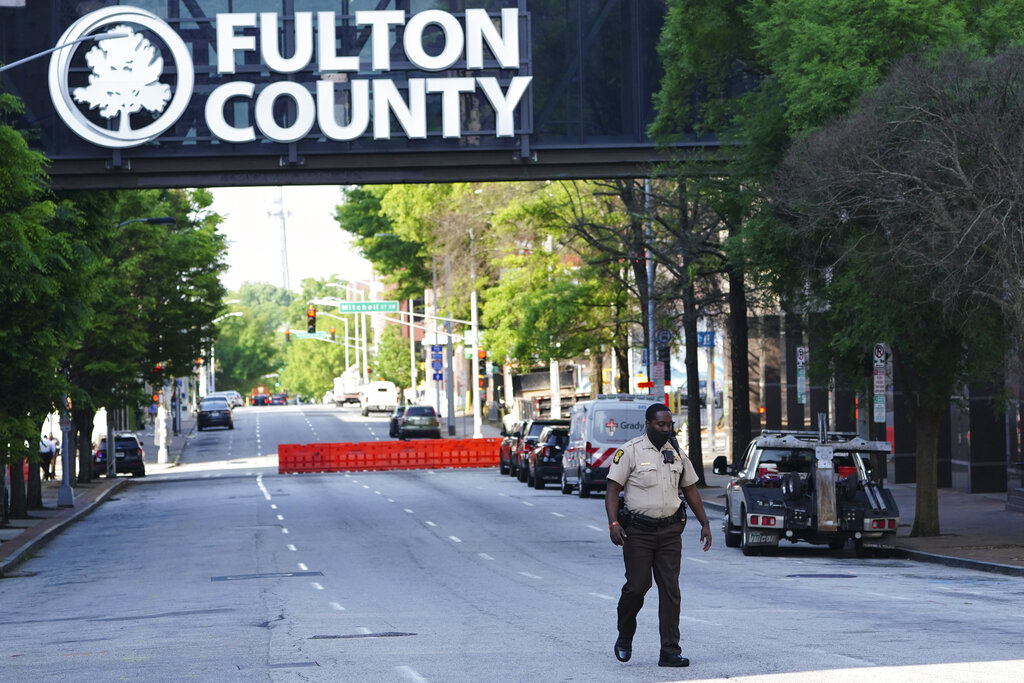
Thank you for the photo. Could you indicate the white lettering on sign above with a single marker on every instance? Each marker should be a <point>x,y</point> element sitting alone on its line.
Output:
<point>344,103</point>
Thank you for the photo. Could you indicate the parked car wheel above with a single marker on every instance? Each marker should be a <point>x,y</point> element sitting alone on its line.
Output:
<point>566,486</point>
<point>523,473</point>
<point>584,489</point>
<point>538,483</point>
<point>733,534</point>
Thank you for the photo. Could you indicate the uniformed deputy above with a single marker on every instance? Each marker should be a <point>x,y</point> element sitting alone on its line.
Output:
<point>653,474</point>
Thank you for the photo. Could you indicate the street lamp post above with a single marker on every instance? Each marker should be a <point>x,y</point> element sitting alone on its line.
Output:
<point>365,371</point>
<point>65,495</point>
<point>211,370</point>
<point>111,445</point>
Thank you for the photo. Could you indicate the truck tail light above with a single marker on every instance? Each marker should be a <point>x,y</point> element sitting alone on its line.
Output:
<point>882,524</point>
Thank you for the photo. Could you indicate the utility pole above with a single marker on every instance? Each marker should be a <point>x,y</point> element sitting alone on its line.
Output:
<point>280,214</point>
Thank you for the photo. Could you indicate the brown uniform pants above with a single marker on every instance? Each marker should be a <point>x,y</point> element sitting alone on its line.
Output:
<point>652,553</point>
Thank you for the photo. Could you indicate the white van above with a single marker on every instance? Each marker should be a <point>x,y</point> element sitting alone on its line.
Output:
<point>381,397</point>
<point>597,429</point>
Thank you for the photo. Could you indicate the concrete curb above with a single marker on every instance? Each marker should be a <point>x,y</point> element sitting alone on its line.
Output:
<point>932,558</point>
<point>962,563</point>
<point>42,534</point>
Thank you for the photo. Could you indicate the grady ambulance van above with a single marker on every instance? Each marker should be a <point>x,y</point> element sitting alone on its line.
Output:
<point>597,429</point>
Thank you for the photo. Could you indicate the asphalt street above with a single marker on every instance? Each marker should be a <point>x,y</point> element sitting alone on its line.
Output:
<point>223,570</point>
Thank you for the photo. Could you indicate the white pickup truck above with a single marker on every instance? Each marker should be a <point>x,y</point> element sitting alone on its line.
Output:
<point>380,397</point>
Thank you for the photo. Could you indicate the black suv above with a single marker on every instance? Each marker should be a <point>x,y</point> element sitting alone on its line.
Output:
<point>545,461</point>
<point>531,430</point>
<point>129,456</point>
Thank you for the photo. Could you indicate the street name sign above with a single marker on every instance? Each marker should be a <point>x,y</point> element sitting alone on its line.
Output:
<point>368,307</point>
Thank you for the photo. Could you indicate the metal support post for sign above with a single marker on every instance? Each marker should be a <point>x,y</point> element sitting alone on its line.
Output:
<point>709,393</point>
<point>477,433</point>
<point>449,378</point>
<point>412,355</point>
<point>111,448</point>
<point>65,496</point>
<point>650,286</point>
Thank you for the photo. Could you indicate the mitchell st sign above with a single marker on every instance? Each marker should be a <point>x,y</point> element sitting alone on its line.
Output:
<point>132,95</point>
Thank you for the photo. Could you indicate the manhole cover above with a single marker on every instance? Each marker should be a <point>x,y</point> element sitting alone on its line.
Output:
<point>385,634</point>
<point>268,575</point>
<point>821,576</point>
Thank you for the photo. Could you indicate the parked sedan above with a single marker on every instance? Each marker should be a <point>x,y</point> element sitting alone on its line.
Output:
<point>214,412</point>
<point>419,421</point>
<point>545,459</point>
<point>128,453</point>
<point>507,449</point>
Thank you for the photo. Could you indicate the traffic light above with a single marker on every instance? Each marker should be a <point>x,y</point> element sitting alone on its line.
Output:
<point>332,333</point>
<point>481,354</point>
<point>311,319</point>
<point>287,335</point>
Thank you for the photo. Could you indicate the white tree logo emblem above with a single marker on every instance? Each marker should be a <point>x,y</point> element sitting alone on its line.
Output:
<point>125,78</point>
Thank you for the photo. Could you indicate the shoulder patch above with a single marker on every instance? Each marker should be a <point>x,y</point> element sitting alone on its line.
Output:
<point>617,457</point>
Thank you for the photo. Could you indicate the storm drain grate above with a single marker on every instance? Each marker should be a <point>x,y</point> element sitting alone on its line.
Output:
<point>266,575</point>
<point>821,576</point>
<point>385,634</point>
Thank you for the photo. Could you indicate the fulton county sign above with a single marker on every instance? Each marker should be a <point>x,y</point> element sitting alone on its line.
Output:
<point>133,94</point>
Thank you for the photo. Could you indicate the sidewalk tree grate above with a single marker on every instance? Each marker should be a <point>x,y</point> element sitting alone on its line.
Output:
<point>267,575</point>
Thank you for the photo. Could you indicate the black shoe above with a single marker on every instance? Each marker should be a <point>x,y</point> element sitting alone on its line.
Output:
<point>623,650</point>
<point>674,660</point>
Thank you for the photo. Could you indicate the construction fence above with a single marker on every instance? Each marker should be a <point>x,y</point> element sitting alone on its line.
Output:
<point>387,455</point>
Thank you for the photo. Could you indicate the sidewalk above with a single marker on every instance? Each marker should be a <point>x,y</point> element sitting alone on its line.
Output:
<point>978,532</point>
<point>21,537</point>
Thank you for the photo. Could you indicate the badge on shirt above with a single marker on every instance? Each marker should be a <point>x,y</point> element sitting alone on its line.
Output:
<point>617,457</point>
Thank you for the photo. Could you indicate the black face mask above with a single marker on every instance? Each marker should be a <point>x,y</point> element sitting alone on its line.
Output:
<point>659,439</point>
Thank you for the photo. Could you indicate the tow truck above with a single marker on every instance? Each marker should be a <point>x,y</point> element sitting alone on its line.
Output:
<point>816,487</point>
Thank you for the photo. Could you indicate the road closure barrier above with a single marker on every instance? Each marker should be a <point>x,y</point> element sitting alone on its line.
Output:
<point>387,455</point>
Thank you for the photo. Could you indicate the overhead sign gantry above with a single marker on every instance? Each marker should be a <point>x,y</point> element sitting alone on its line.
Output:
<point>185,94</point>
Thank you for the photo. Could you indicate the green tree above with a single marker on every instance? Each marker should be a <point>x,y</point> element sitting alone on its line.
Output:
<point>391,361</point>
<point>400,258</point>
<point>310,366</point>
<point>905,210</point>
<point>159,294</point>
<point>45,296</point>
<point>755,74</point>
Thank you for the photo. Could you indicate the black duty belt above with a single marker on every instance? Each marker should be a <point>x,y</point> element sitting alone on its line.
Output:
<point>644,522</point>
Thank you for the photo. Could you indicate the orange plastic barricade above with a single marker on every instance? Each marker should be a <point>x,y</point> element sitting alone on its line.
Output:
<point>387,455</point>
<point>286,458</point>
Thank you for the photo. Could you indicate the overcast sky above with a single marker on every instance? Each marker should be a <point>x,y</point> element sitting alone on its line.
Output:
<point>317,247</point>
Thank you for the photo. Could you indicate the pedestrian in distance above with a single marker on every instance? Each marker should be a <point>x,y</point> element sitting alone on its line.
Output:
<point>56,456</point>
<point>655,476</point>
<point>46,453</point>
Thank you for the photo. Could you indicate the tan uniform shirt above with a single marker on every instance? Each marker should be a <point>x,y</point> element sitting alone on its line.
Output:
<point>651,485</point>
